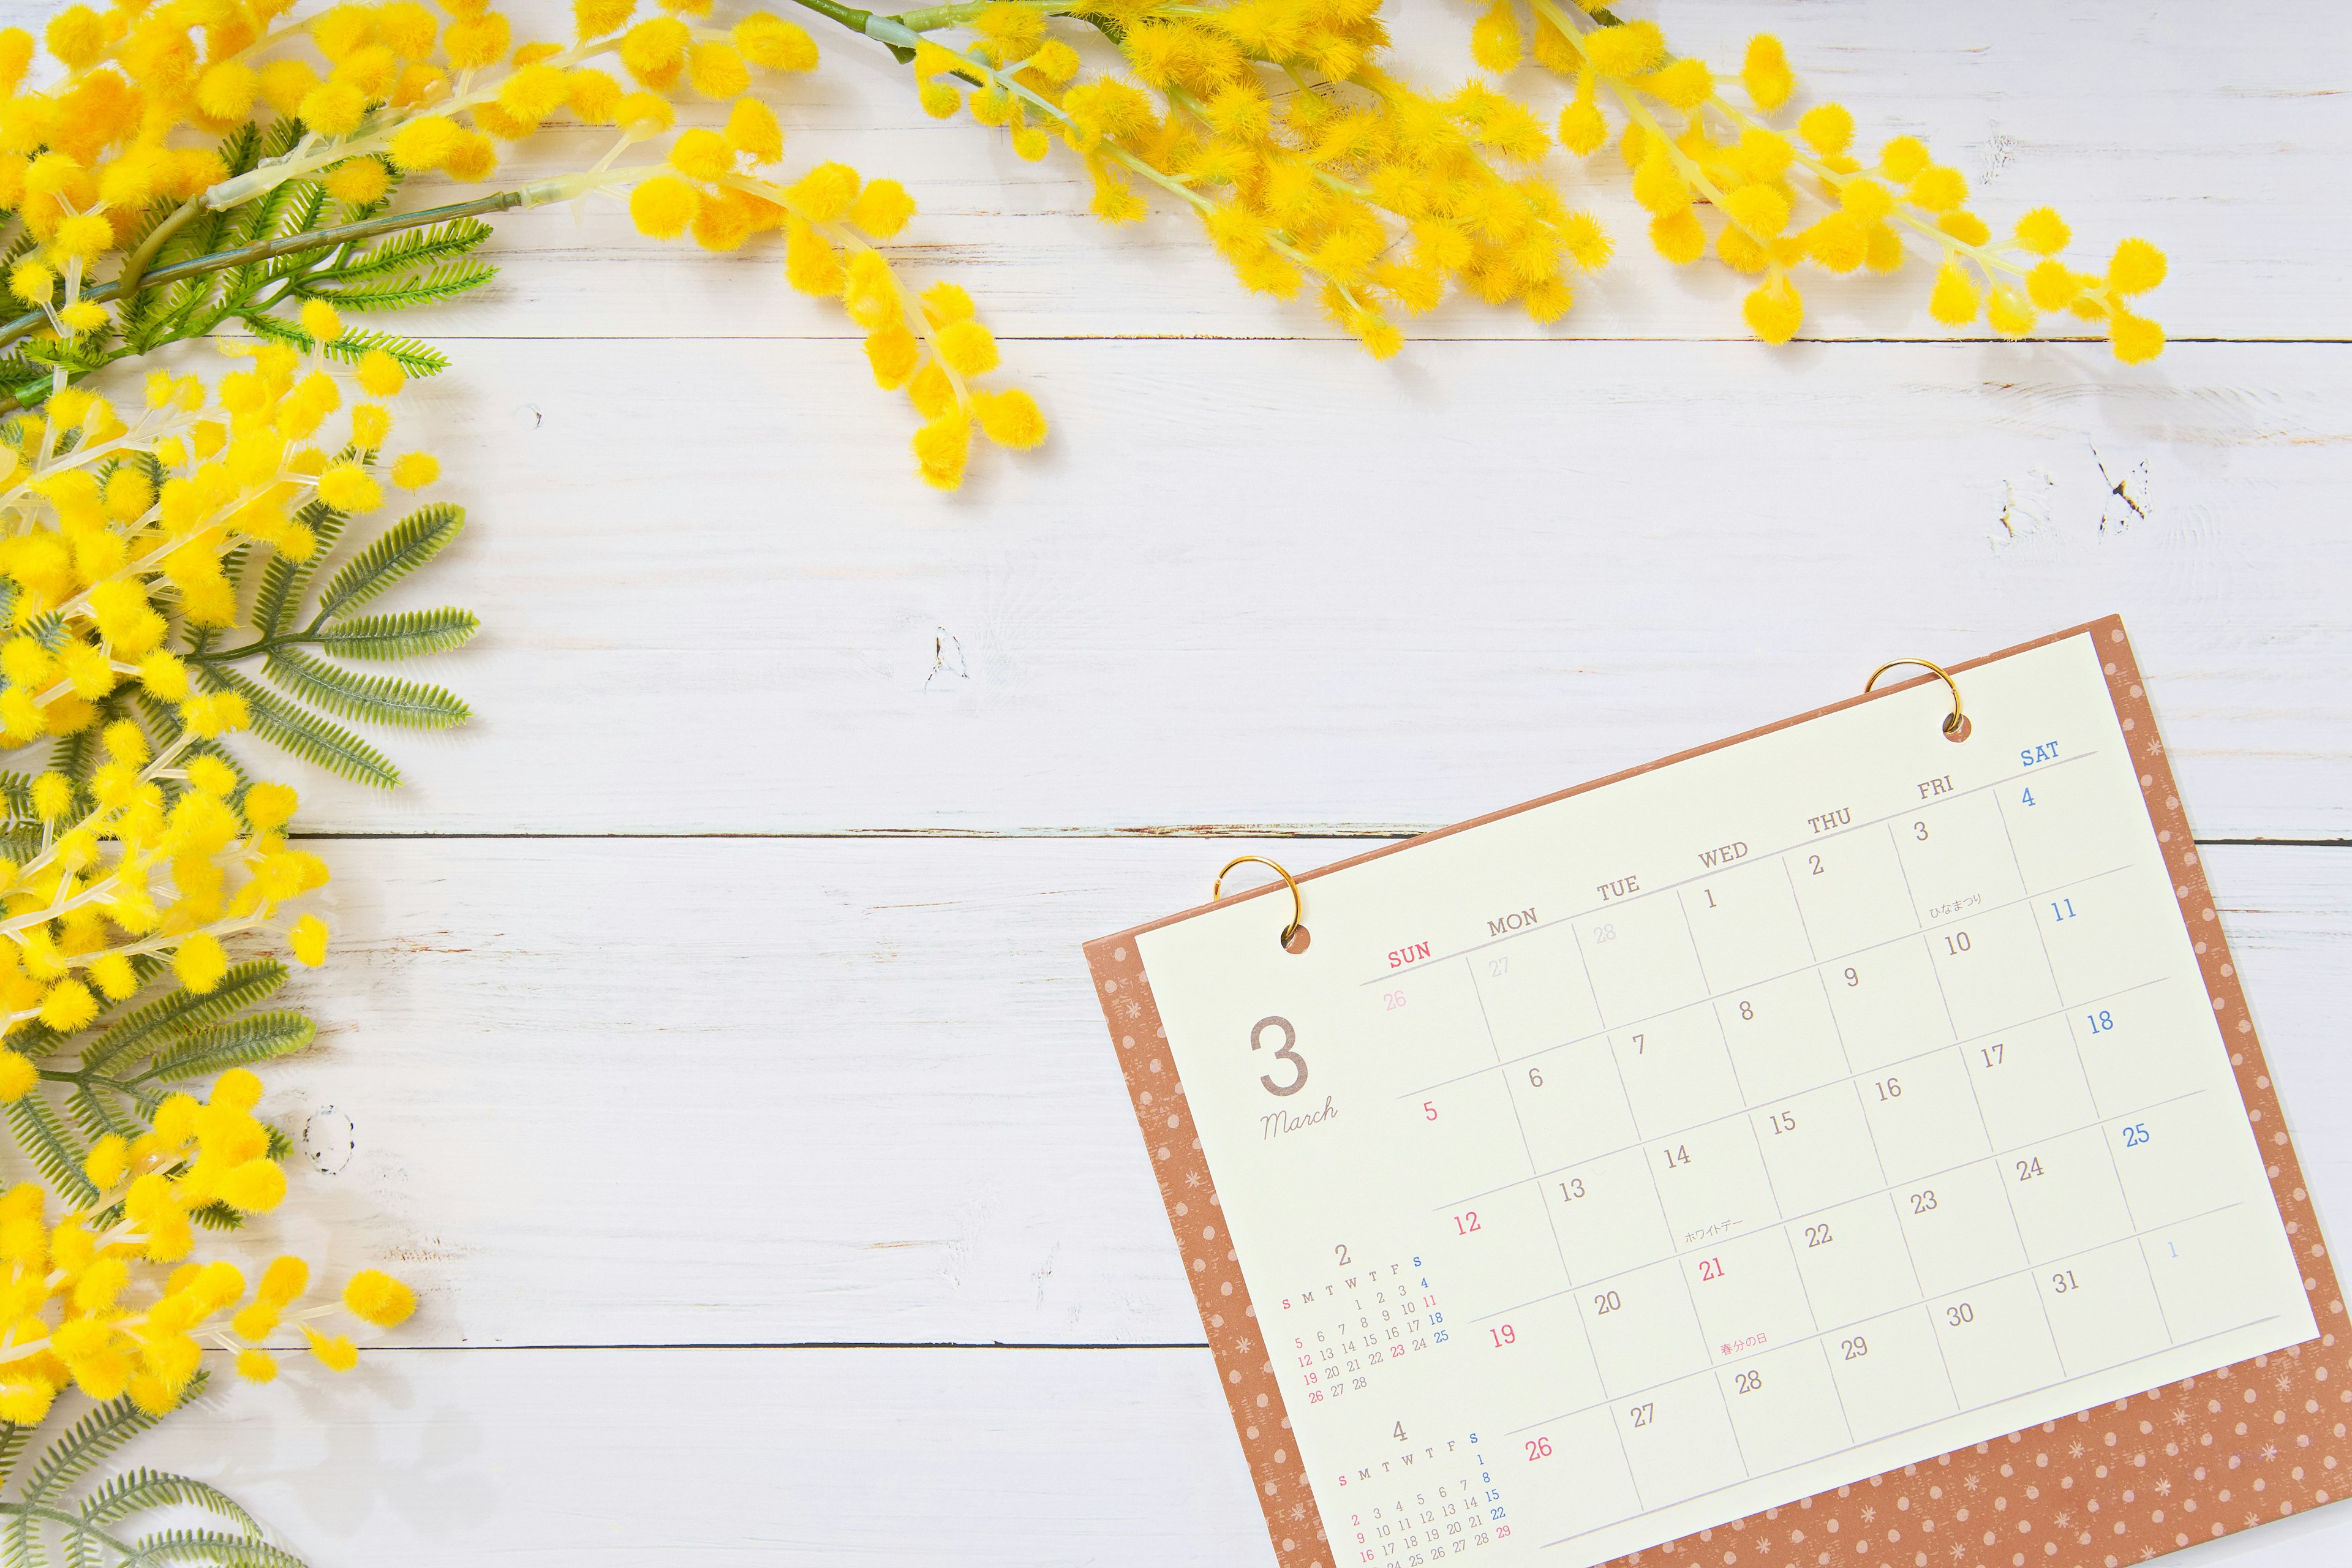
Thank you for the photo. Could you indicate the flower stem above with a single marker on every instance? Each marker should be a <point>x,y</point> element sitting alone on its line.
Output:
<point>289,244</point>
<point>127,281</point>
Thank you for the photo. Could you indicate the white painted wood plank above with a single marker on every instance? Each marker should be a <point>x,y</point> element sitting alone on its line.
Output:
<point>766,1092</point>
<point>2213,140</point>
<point>1257,583</point>
<point>645,1459</point>
<point>714,1457</point>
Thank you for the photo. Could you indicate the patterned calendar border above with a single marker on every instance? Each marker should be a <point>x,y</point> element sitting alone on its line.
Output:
<point>2121,1483</point>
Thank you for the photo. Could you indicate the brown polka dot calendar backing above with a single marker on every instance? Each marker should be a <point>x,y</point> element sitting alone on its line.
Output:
<point>2121,1483</point>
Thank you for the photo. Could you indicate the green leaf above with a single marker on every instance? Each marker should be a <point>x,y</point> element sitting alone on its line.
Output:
<point>398,293</point>
<point>309,737</point>
<point>217,1215</point>
<point>135,1491</point>
<point>402,636</point>
<point>97,1434</point>
<point>417,358</point>
<point>411,248</point>
<point>398,550</point>
<point>257,1037</point>
<point>184,1012</point>
<point>283,581</point>
<point>205,1546</point>
<point>12,1439</point>
<point>45,1140</point>
<point>385,698</point>
<point>94,1117</point>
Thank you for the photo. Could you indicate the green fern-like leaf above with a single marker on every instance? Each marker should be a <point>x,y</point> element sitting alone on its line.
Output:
<point>408,250</point>
<point>398,550</point>
<point>43,1503</point>
<point>47,628</point>
<point>139,1035</point>
<point>136,1491</point>
<point>12,1439</point>
<point>217,1215</point>
<point>406,635</point>
<point>397,292</point>
<point>54,1150</point>
<point>314,740</point>
<point>208,1547</point>
<point>95,1115</point>
<point>242,1041</point>
<point>418,359</point>
<point>68,1459</point>
<point>284,579</point>
<point>384,699</point>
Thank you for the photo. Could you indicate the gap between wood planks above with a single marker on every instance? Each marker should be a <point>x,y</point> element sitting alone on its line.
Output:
<point>1200,830</point>
<point>850,337</point>
<point>803,1346</point>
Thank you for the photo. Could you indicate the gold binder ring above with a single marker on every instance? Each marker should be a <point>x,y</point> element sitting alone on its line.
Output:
<point>1955,724</point>
<point>1296,930</point>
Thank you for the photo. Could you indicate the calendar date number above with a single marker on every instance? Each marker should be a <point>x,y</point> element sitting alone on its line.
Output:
<point>1288,1054</point>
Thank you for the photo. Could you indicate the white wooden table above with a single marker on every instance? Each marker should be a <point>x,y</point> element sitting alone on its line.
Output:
<point>708,1017</point>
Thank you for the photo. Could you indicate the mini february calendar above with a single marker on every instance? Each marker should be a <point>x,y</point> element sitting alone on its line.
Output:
<point>1793,1138</point>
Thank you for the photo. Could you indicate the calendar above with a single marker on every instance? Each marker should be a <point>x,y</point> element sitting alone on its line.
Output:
<point>1769,1151</point>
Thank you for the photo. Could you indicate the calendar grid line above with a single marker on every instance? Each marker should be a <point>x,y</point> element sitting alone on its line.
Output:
<point>1902,1432</point>
<point>1715,872</point>
<point>1711,999</point>
<point>1804,927</point>
<point>2162,1316</point>
<point>1749,1110</point>
<point>1862,1108</point>
<point>1737,1447</point>
<point>1715,1371</point>
<point>2008,1200</point>
<point>1886,1191</point>
<point>2051,963</point>
<point>1615,1064</point>
<point>1517,1121</point>
<point>1617,1425</point>
<point>1690,934</point>
<point>1943,996</point>
<point>1520,1121</point>
<point>1909,892</point>
<point>1845,1417</point>
<point>1943,1360</point>
<point>1837,1030</point>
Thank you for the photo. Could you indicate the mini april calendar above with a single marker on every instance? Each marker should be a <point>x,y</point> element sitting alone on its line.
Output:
<point>1846,1143</point>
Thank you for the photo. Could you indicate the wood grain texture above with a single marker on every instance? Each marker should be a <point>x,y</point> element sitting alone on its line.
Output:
<point>1264,583</point>
<point>615,1093</point>
<point>852,1091</point>
<point>721,1458</point>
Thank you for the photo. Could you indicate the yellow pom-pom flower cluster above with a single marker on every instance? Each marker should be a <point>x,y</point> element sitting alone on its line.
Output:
<point>933,348</point>
<point>106,1296</point>
<point>1786,196</point>
<point>160,848</point>
<point>386,91</point>
<point>1295,187</point>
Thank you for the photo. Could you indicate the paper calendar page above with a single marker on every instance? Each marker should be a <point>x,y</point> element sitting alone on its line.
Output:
<point>1778,1117</point>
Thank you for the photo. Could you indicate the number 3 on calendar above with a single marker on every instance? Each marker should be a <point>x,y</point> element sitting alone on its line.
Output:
<point>1288,1053</point>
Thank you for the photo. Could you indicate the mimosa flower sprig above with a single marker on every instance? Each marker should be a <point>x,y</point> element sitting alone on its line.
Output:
<point>1689,145</point>
<point>122,534</point>
<point>1305,160</point>
<point>141,859</point>
<point>375,94</point>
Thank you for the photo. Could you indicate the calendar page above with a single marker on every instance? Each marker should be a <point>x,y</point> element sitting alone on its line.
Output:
<point>1772,1119</point>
